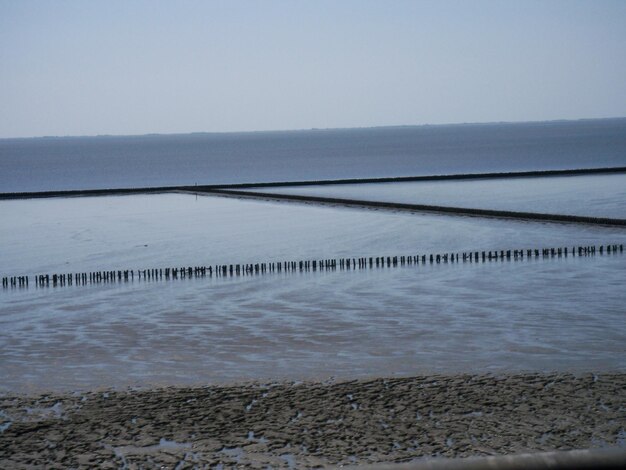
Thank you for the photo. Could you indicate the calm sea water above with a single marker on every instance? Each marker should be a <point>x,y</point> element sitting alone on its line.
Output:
<point>561,314</point>
<point>586,195</point>
<point>162,160</point>
<point>150,231</point>
<point>555,314</point>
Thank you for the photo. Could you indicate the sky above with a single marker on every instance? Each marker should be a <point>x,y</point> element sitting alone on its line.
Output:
<point>136,67</point>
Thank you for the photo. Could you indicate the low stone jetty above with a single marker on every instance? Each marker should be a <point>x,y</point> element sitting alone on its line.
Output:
<point>253,269</point>
<point>276,184</point>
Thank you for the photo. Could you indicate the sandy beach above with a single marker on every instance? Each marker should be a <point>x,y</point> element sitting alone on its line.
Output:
<point>309,424</point>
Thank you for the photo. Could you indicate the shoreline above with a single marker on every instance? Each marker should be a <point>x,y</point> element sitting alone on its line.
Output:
<point>286,424</point>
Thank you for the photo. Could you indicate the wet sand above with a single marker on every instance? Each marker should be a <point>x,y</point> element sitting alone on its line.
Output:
<point>314,424</point>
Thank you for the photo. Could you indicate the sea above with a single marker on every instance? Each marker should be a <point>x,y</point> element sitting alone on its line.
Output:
<point>62,163</point>
<point>552,314</point>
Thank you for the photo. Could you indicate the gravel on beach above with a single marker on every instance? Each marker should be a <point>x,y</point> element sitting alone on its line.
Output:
<point>309,424</point>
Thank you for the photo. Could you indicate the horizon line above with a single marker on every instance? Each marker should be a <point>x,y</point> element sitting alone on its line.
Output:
<point>320,129</point>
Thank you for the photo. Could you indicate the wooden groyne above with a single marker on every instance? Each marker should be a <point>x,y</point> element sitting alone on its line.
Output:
<point>235,186</point>
<point>254,269</point>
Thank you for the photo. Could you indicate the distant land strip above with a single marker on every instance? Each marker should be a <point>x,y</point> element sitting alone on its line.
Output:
<point>423,208</point>
<point>394,179</point>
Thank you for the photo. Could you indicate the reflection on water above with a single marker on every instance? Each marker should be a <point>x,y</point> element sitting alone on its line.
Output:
<point>588,195</point>
<point>564,314</point>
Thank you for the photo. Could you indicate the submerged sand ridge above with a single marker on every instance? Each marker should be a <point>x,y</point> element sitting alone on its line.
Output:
<point>314,424</point>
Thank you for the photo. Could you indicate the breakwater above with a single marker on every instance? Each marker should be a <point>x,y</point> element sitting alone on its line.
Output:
<point>466,211</point>
<point>235,186</point>
<point>249,269</point>
<point>444,177</point>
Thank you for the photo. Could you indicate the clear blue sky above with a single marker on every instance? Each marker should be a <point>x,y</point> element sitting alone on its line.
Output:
<point>134,67</point>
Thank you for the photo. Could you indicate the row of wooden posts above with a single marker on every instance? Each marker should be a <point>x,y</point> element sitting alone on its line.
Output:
<point>224,270</point>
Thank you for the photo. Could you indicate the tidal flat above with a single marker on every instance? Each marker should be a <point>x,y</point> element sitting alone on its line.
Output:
<point>307,425</point>
<point>563,314</point>
<point>301,369</point>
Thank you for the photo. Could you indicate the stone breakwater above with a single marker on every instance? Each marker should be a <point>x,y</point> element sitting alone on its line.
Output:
<point>230,270</point>
<point>234,186</point>
<point>314,424</point>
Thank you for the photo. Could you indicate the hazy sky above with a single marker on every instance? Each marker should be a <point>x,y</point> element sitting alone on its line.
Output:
<point>134,67</point>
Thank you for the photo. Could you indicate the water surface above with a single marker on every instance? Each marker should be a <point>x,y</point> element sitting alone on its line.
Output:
<point>564,315</point>
<point>143,231</point>
<point>584,195</point>
<point>553,314</point>
<point>164,160</point>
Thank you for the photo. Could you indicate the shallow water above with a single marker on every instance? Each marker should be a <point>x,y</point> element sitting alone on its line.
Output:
<point>586,195</point>
<point>553,314</point>
<point>148,231</point>
<point>562,315</point>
